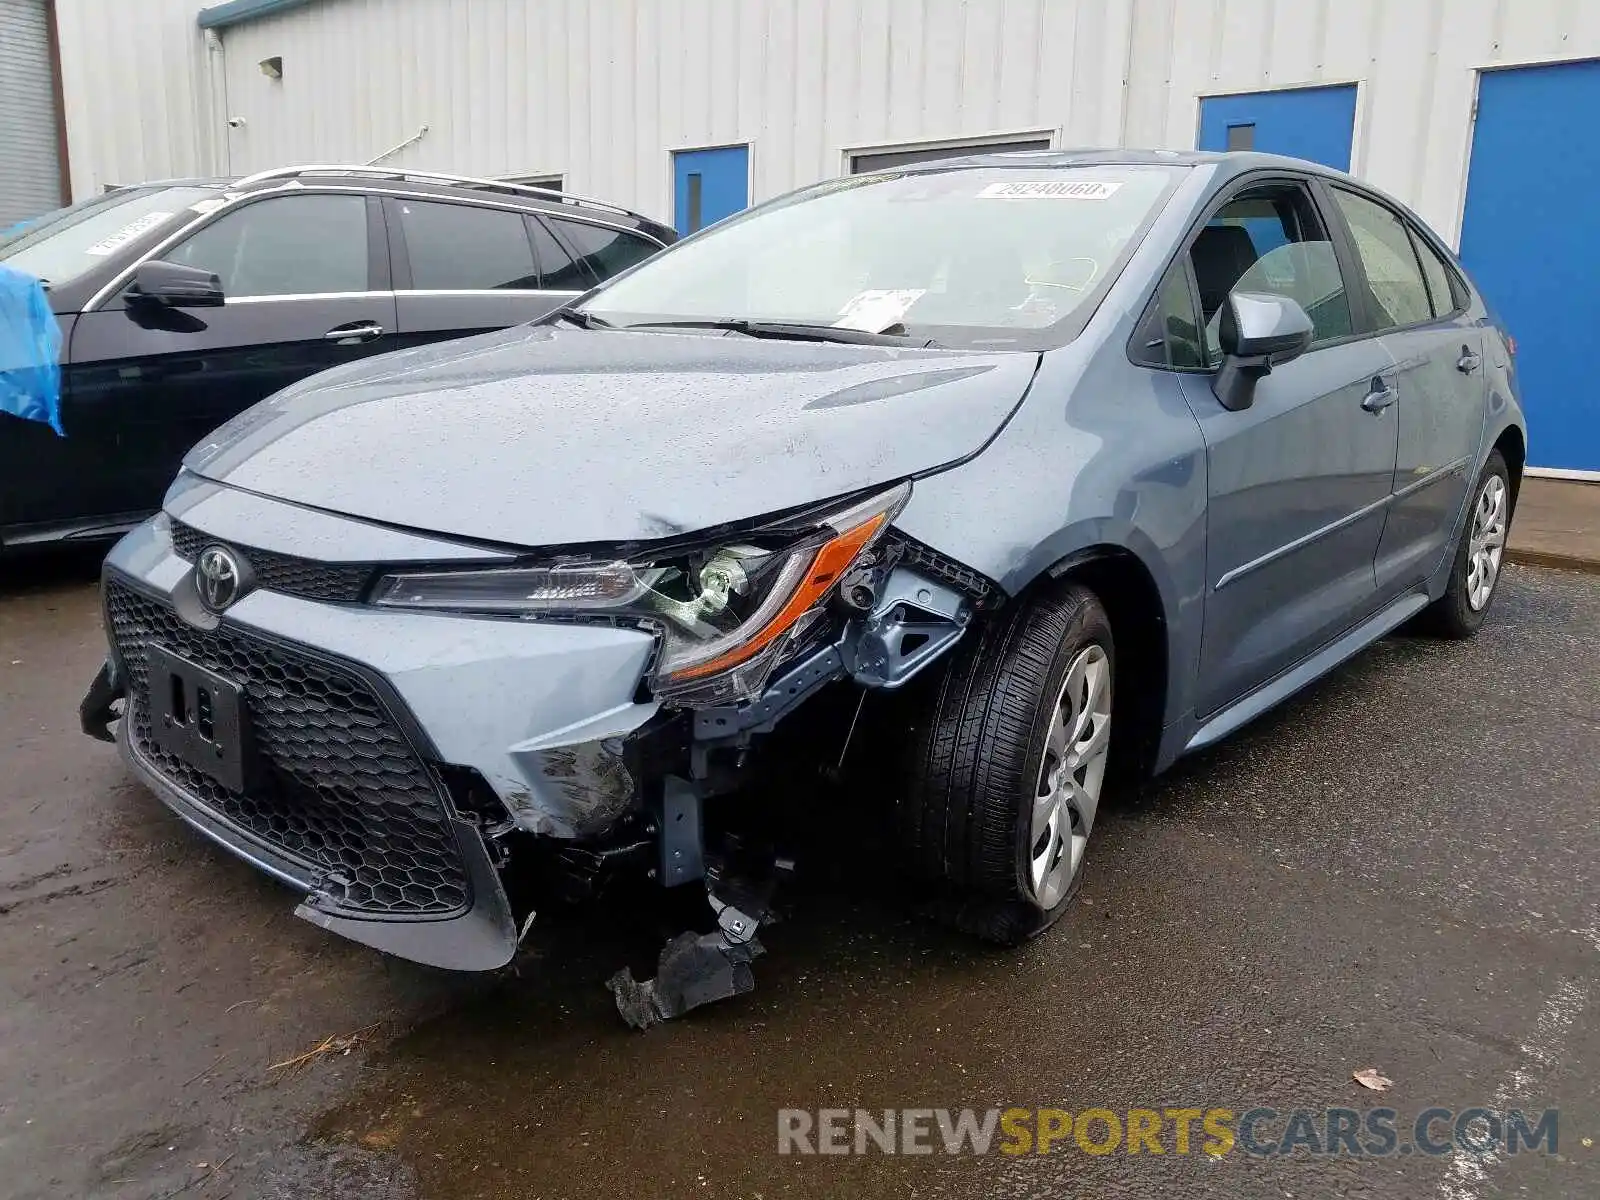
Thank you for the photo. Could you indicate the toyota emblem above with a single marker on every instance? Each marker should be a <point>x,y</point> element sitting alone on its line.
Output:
<point>217,577</point>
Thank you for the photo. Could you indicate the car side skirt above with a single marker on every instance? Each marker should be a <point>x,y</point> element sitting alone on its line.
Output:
<point>1241,712</point>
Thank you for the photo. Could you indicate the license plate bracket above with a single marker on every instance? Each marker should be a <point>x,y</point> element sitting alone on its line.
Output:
<point>199,716</point>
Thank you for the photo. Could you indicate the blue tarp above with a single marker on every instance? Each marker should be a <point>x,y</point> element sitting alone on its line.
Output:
<point>30,351</point>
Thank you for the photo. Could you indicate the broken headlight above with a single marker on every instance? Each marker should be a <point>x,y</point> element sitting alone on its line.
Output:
<point>724,613</point>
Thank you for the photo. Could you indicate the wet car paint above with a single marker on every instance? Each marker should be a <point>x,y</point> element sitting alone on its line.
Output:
<point>547,436</point>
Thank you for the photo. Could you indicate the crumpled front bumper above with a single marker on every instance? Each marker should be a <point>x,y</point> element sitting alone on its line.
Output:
<point>539,711</point>
<point>482,938</point>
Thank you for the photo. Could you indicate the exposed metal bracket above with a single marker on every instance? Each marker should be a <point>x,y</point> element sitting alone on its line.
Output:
<point>787,693</point>
<point>915,621</point>
<point>680,837</point>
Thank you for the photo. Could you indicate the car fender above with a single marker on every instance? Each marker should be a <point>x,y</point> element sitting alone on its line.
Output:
<point>1102,457</point>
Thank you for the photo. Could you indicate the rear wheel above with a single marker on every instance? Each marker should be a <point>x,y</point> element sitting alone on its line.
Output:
<point>1008,762</point>
<point>1476,568</point>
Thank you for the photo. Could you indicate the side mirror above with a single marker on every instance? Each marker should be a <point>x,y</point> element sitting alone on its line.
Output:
<point>1257,332</point>
<point>173,285</point>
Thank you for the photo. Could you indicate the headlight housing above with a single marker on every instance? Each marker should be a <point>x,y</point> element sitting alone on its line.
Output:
<point>725,611</point>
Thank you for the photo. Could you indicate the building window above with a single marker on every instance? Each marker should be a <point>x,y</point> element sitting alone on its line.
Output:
<point>551,183</point>
<point>1242,136</point>
<point>880,160</point>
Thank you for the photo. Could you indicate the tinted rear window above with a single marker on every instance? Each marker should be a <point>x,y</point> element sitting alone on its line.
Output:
<point>456,247</point>
<point>604,251</point>
<point>557,271</point>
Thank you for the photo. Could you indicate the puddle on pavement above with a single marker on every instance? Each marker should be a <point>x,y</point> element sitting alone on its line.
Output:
<point>538,1088</point>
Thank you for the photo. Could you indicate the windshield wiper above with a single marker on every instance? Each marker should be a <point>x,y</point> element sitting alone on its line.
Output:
<point>584,320</point>
<point>799,331</point>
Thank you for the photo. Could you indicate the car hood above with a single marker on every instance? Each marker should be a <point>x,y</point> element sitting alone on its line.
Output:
<point>540,435</point>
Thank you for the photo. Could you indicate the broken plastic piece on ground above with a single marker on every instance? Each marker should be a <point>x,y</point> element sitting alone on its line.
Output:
<point>694,969</point>
<point>699,968</point>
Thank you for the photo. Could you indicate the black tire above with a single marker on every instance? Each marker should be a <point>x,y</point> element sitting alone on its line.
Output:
<point>1452,615</point>
<point>964,817</point>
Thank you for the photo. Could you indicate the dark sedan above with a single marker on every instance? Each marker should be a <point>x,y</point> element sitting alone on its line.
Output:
<point>183,303</point>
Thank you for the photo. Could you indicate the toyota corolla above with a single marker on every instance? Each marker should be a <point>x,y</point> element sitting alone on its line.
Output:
<point>1082,459</point>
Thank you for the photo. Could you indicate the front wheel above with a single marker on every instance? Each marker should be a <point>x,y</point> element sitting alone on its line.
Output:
<point>1008,762</point>
<point>1475,570</point>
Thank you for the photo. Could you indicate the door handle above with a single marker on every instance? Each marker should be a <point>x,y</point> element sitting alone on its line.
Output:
<point>1469,361</point>
<point>1380,397</point>
<point>354,333</point>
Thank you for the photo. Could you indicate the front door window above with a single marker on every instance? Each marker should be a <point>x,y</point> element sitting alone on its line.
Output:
<point>285,246</point>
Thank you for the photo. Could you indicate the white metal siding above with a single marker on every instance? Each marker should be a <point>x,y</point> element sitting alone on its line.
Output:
<point>30,173</point>
<point>133,77</point>
<point>599,91</point>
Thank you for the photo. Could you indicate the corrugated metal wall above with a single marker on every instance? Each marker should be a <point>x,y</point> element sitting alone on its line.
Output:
<point>600,90</point>
<point>30,173</point>
<point>134,83</point>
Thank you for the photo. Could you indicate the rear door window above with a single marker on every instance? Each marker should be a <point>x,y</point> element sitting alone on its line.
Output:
<point>603,251</point>
<point>1270,239</point>
<point>285,246</point>
<point>1394,277</point>
<point>460,247</point>
<point>1444,290</point>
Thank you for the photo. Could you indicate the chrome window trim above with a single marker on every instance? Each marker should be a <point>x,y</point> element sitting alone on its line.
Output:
<point>232,200</point>
<point>396,292</point>
<point>379,295</point>
<point>485,292</point>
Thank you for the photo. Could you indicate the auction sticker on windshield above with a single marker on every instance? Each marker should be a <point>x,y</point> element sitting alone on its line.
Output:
<point>1038,189</point>
<point>877,308</point>
<point>127,233</point>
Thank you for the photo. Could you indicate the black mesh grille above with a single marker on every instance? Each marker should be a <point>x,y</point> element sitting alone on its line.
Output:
<point>339,791</point>
<point>274,572</point>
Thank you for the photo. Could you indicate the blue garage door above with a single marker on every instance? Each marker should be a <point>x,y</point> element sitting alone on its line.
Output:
<point>1531,239</point>
<point>1315,123</point>
<point>708,185</point>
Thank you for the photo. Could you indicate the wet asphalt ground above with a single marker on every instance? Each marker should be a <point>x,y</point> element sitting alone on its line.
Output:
<point>1400,870</point>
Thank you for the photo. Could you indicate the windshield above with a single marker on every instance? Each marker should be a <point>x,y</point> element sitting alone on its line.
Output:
<point>64,244</point>
<point>969,256</point>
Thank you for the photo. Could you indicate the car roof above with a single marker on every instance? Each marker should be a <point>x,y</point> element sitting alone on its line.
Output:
<point>1235,161</point>
<point>384,179</point>
<point>461,187</point>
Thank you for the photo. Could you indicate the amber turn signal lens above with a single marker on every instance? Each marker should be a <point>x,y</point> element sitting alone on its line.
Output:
<point>831,560</point>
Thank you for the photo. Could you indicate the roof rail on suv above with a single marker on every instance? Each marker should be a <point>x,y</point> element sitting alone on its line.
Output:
<point>402,174</point>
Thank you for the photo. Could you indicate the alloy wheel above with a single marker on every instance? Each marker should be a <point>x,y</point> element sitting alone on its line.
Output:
<point>1486,541</point>
<point>1070,776</point>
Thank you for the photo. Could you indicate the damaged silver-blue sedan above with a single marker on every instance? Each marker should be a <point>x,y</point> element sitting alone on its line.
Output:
<point>1082,459</point>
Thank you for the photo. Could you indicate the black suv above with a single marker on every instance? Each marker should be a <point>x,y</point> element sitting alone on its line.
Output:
<point>183,302</point>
